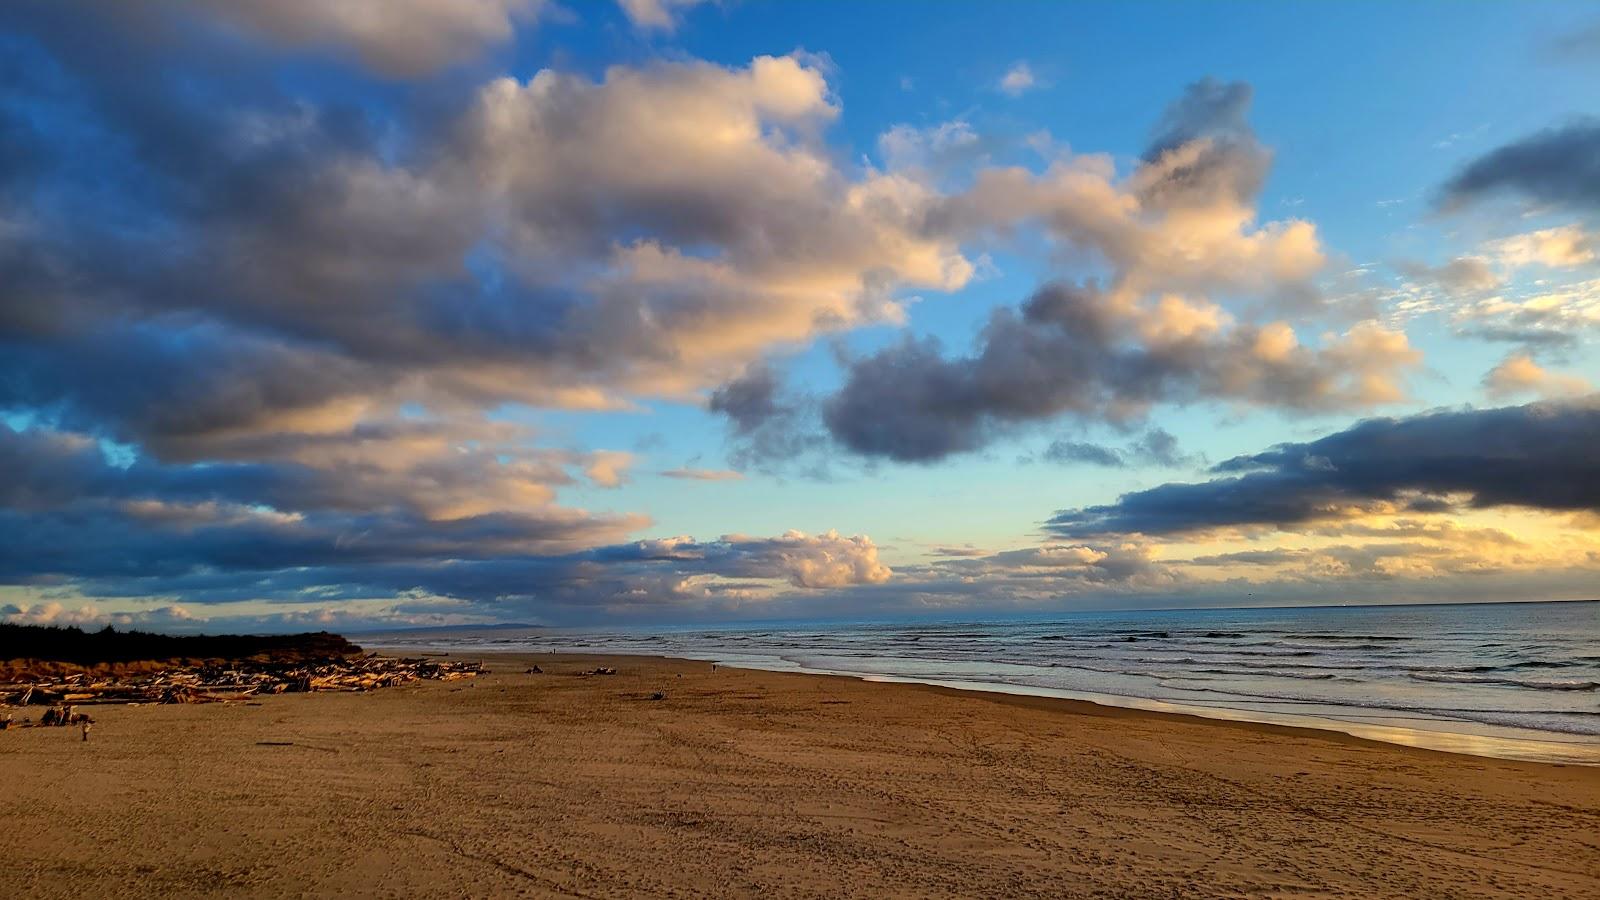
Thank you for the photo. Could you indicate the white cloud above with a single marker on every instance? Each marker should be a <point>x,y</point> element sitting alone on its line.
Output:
<point>1018,79</point>
<point>89,614</point>
<point>658,15</point>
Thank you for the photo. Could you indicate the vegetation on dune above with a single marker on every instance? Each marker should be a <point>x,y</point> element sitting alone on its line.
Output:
<point>73,645</point>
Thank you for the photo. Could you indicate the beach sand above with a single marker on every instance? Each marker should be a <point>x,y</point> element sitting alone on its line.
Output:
<point>743,783</point>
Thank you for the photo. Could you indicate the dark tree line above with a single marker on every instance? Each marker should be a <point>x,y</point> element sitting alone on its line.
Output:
<point>86,648</point>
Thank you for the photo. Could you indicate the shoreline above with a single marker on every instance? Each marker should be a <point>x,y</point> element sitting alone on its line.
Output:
<point>670,778</point>
<point>1516,744</point>
<point>1044,699</point>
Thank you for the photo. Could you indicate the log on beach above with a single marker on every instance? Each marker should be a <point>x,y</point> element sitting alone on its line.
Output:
<point>236,681</point>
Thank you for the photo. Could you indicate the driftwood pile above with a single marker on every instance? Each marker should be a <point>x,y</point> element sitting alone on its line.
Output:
<point>232,681</point>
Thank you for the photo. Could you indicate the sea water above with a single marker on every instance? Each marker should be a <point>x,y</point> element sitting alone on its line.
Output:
<point>1513,680</point>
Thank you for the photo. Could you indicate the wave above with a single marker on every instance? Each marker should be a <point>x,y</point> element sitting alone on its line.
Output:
<point>1304,636</point>
<point>1270,673</point>
<point>1529,683</point>
<point>1227,651</point>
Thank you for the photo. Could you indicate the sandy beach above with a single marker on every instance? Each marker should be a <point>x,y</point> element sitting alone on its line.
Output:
<point>742,783</point>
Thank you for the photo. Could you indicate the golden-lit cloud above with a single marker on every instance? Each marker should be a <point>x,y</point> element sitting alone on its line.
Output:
<point>1519,374</point>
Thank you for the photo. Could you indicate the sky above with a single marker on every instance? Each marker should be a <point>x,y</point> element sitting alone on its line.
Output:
<point>370,313</point>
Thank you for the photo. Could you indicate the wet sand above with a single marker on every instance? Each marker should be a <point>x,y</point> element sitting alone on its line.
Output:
<point>742,783</point>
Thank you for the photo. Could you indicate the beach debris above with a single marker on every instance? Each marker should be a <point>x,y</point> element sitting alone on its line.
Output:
<point>214,682</point>
<point>534,671</point>
<point>658,695</point>
<point>599,670</point>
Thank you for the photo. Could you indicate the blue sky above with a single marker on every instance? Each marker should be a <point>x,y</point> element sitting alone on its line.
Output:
<point>691,311</point>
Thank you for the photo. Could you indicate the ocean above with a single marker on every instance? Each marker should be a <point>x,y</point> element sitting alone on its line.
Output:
<point>1511,680</point>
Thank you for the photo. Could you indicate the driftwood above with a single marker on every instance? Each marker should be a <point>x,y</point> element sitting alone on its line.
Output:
<point>234,681</point>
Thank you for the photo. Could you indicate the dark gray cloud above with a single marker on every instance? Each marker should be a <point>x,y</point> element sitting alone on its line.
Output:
<point>1580,45</point>
<point>1159,446</point>
<point>749,401</point>
<point>1082,452</point>
<point>1557,167</point>
<point>1156,447</point>
<point>1074,349</point>
<point>1538,456</point>
<point>1205,149</point>
<point>1532,337</point>
<point>770,427</point>
<point>1463,274</point>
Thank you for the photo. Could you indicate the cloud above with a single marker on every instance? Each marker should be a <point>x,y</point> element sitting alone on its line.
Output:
<point>608,468</point>
<point>1081,351</point>
<point>384,522</point>
<point>1067,452</point>
<point>1057,566</point>
<point>1539,338</point>
<point>395,37</point>
<point>932,149</point>
<point>1519,374</point>
<point>376,494</point>
<point>58,614</point>
<point>1557,167</point>
<point>1183,220</point>
<point>1157,447</point>
<point>266,324</point>
<point>659,15</point>
<point>1580,45</point>
<point>1563,247</point>
<point>820,561</point>
<point>1176,230</point>
<point>768,426</point>
<point>1537,456</point>
<point>1018,79</point>
<point>300,330</point>
<point>1543,316</point>
<point>1464,274</point>
<point>516,252</point>
<point>1209,109</point>
<point>702,474</point>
